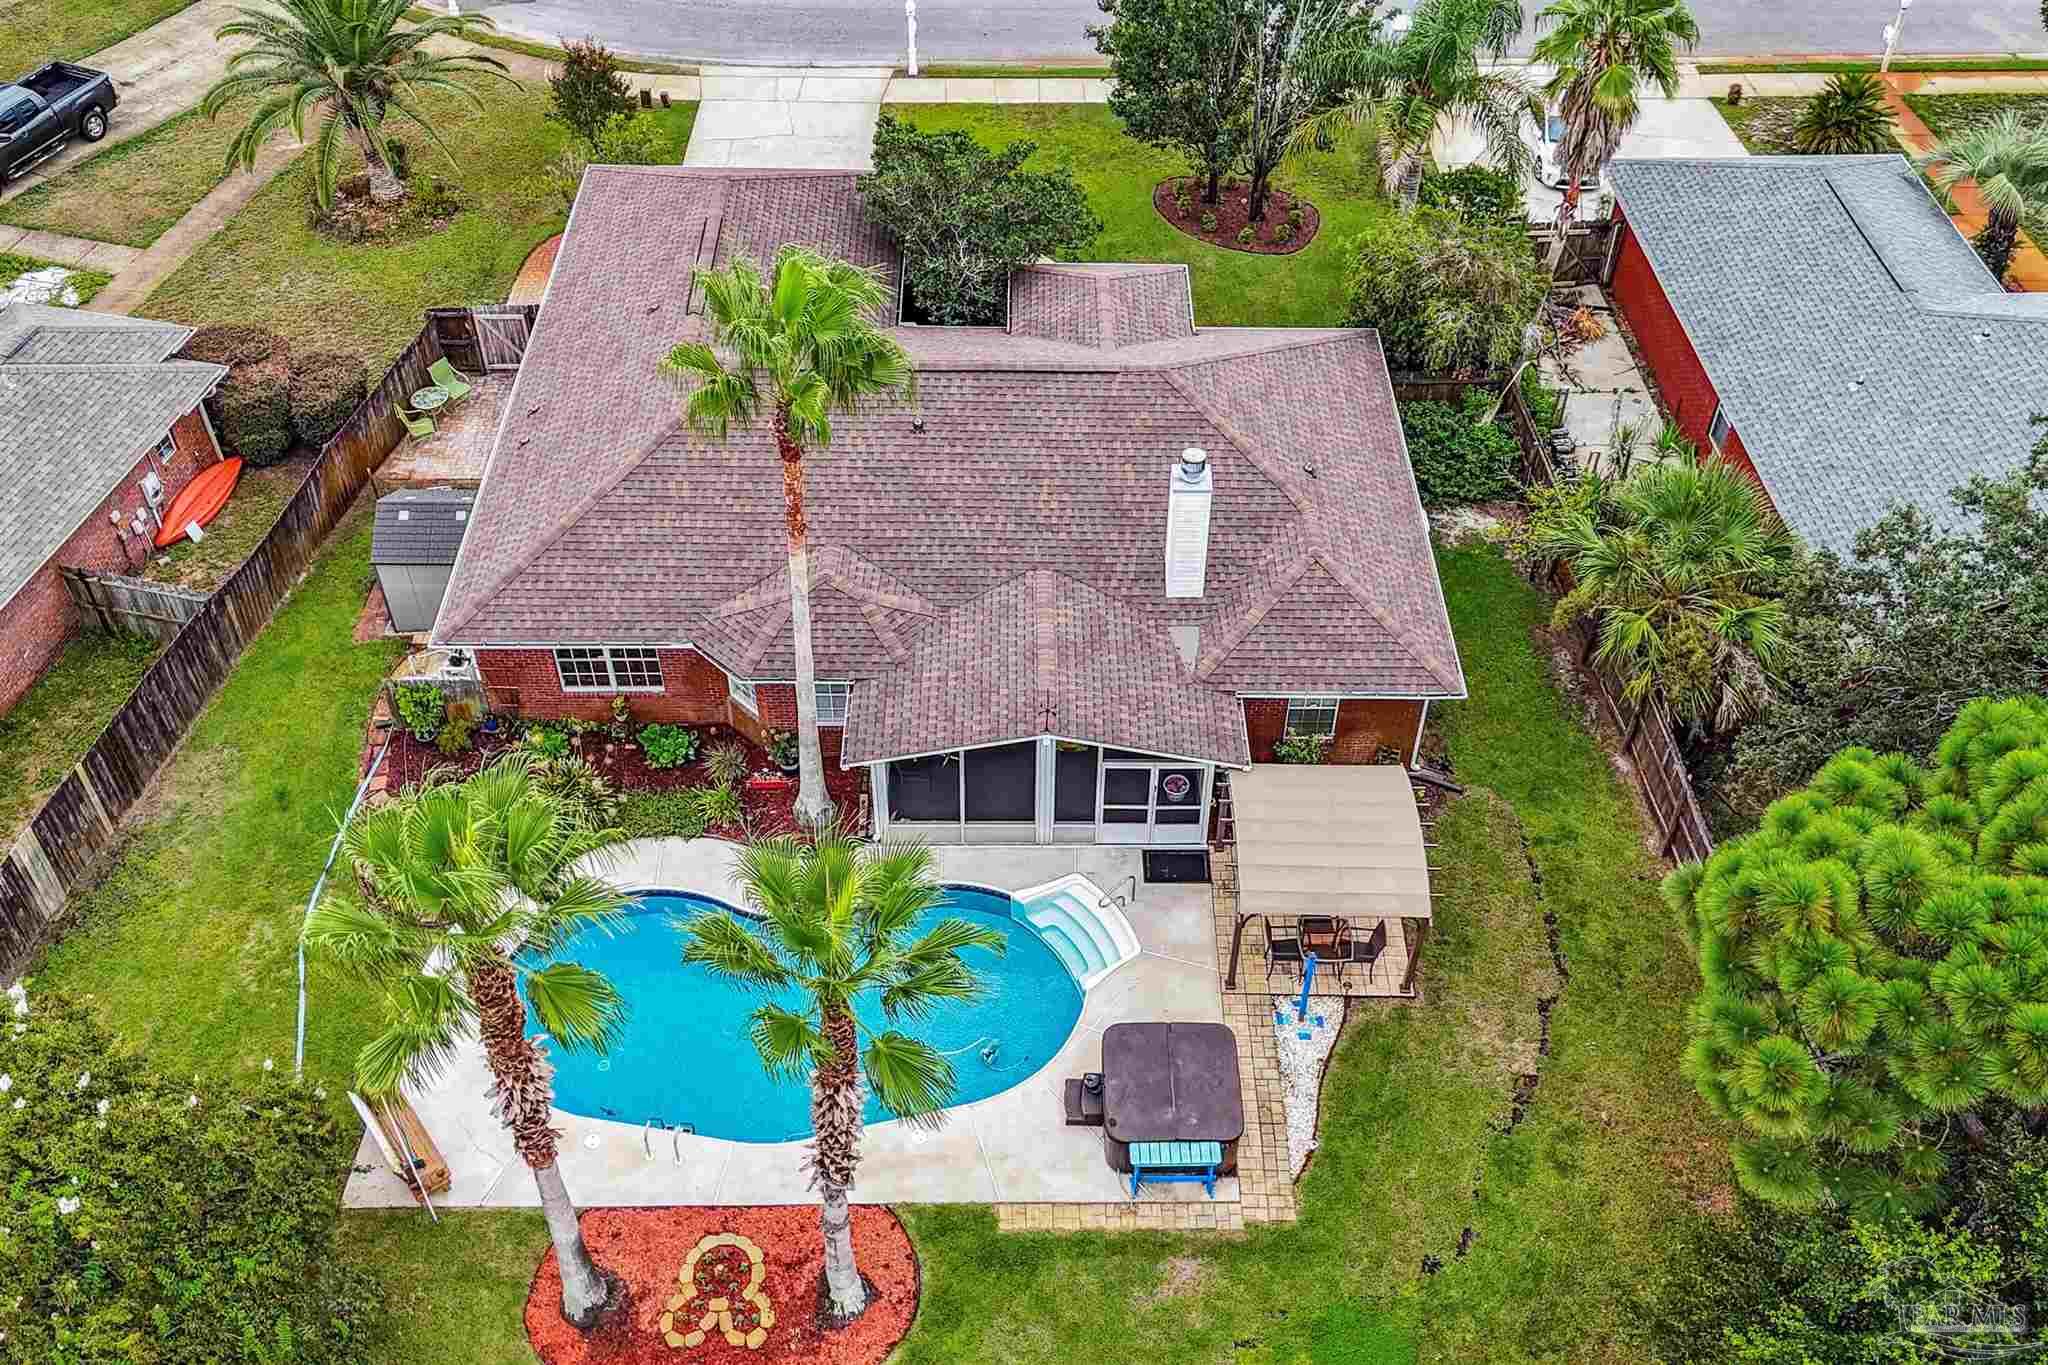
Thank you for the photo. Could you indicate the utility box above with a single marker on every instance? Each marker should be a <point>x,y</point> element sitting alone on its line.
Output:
<point>413,546</point>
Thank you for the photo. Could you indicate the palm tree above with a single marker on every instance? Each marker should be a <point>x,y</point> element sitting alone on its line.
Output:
<point>351,61</point>
<point>840,923</point>
<point>1846,117</point>
<point>460,889</point>
<point>2009,163</point>
<point>804,345</point>
<point>1672,567</point>
<point>1402,88</point>
<point>1602,53</point>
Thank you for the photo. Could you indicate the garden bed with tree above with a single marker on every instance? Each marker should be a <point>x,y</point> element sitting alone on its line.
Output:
<point>1290,223</point>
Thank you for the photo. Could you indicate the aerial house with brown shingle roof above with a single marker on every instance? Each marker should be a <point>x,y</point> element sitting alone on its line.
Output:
<point>1104,554</point>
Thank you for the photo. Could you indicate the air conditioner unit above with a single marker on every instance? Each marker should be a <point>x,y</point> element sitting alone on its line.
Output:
<point>153,493</point>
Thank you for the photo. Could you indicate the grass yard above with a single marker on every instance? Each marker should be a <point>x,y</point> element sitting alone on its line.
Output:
<point>57,720</point>
<point>86,282</point>
<point>1573,1208</point>
<point>260,494</point>
<point>269,266</point>
<point>187,946</point>
<point>1232,288</point>
<point>1948,115</point>
<point>1765,126</point>
<point>36,31</point>
<point>133,191</point>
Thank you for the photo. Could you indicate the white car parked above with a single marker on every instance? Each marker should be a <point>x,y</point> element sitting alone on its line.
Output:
<point>1543,138</point>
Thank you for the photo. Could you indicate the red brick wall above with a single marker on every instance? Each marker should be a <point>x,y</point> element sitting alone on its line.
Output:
<point>1362,727</point>
<point>1688,393</point>
<point>776,704</point>
<point>36,622</point>
<point>525,681</point>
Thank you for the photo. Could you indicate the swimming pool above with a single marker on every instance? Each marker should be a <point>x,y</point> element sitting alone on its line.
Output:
<point>683,1056</point>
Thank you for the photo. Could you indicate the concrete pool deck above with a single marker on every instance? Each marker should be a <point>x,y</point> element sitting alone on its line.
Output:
<point>1011,1148</point>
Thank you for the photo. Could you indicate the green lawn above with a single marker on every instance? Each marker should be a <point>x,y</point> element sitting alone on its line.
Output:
<point>86,282</point>
<point>260,495</point>
<point>1947,115</point>
<point>57,720</point>
<point>1232,288</point>
<point>133,191</point>
<point>1901,64</point>
<point>1765,126</point>
<point>36,31</point>
<point>187,946</point>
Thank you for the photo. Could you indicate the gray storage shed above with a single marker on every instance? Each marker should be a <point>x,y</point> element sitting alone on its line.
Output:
<point>413,547</point>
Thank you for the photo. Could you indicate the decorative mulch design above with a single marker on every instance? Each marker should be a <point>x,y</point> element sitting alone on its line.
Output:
<point>1232,210</point>
<point>728,1286</point>
<point>770,808</point>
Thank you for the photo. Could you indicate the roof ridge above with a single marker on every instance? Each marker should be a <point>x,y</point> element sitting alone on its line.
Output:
<point>117,366</point>
<point>1237,438</point>
<point>1261,591</point>
<point>1423,656</point>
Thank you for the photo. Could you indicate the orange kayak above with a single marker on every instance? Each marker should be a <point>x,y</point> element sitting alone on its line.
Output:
<point>199,500</point>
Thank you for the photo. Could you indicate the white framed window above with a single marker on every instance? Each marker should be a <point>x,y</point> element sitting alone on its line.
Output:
<point>609,668</point>
<point>1312,716</point>
<point>167,448</point>
<point>743,693</point>
<point>832,702</point>
<point>1718,429</point>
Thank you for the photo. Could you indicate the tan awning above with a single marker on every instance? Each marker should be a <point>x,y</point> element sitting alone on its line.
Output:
<point>1330,839</point>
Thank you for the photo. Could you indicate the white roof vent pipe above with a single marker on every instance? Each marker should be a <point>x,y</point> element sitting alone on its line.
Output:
<point>1187,524</point>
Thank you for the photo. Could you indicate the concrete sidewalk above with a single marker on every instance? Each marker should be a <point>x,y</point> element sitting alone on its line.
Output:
<point>159,72</point>
<point>80,253</point>
<point>149,268</point>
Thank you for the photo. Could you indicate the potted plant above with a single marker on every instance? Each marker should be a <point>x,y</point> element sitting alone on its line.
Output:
<point>782,750</point>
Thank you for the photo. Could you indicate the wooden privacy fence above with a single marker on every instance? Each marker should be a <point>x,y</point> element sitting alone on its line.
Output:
<point>1589,250</point>
<point>78,823</point>
<point>132,604</point>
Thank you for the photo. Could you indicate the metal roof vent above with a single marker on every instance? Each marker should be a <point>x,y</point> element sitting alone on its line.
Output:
<point>1189,493</point>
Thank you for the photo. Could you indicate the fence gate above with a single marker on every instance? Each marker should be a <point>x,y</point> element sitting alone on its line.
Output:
<point>501,337</point>
<point>132,604</point>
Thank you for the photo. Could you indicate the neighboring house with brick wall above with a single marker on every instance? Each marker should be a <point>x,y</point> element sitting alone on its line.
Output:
<point>99,429</point>
<point>1820,322</point>
<point>1104,554</point>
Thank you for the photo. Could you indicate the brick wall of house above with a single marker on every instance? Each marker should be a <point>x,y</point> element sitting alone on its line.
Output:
<point>1688,393</point>
<point>525,681</point>
<point>35,623</point>
<point>775,705</point>
<point>1362,728</point>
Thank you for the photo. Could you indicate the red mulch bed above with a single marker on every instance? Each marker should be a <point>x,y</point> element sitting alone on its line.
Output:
<point>1232,210</point>
<point>647,1248</point>
<point>770,809</point>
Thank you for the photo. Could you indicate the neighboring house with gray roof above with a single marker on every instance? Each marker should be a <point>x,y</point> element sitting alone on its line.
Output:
<point>99,429</point>
<point>1823,323</point>
<point>1104,554</point>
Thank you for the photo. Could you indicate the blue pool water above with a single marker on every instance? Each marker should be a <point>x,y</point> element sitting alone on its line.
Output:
<point>684,1057</point>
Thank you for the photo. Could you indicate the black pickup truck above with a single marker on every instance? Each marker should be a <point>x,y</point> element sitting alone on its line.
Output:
<point>45,109</point>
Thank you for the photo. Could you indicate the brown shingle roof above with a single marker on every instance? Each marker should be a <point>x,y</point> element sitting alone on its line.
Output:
<point>601,519</point>
<point>1044,654</point>
<point>1101,305</point>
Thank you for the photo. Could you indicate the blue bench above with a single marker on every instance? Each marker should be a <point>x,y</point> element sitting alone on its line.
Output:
<point>1165,1163</point>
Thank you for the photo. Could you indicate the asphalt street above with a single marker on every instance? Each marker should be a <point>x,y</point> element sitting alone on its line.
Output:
<point>871,32</point>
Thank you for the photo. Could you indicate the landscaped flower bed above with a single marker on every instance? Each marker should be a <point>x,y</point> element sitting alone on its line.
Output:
<point>755,1273</point>
<point>1289,225</point>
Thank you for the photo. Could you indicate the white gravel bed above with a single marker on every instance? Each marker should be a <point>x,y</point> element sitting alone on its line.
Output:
<point>1301,1067</point>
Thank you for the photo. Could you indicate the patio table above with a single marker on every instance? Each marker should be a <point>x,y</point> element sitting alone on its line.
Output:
<point>1322,935</point>
<point>1170,1083</point>
<point>431,397</point>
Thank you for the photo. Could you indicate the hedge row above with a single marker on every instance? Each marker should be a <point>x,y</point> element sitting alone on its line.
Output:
<point>270,399</point>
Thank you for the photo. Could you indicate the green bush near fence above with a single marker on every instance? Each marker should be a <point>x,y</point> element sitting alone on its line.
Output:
<point>1458,455</point>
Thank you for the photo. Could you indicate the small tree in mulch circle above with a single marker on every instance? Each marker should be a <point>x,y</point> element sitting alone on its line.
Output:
<point>588,90</point>
<point>844,920</point>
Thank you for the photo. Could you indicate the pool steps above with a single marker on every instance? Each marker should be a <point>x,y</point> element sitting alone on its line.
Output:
<point>1083,925</point>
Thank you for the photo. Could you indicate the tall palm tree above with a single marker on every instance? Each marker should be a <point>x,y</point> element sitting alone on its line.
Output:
<point>804,344</point>
<point>1602,53</point>
<point>2009,162</point>
<point>1673,566</point>
<point>349,60</point>
<point>1402,88</point>
<point>841,922</point>
<point>453,881</point>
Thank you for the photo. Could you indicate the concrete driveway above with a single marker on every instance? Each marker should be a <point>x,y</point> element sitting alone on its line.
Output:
<point>159,72</point>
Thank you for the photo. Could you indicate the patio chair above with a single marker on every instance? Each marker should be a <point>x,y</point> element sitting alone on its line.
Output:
<point>1351,953</point>
<point>418,423</point>
<point>445,377</point>
<point>1281,953</point>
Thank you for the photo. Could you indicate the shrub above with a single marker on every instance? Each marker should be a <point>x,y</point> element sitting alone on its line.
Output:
<point>1545,404</point>
<point>1283,232</point>
<point>256,417</point>
<point>631,140</point>
<point>718,804</point>
<point>422,707</point>
<point>581,789</point>
<point>965,215</point>
<point>1183,202</point>
<point>153,1220</point>
<point>564,175</point>
<point>1295,747</point>
<point>668,746</point>
<point>1458,456</point>
<point>1446,296</point>
<point>459,729</point>
<point>662,815</point>
<point>727,763</point>
<point>1208,222</point>
<point>549,741</point>
<point>232,344</point>
<point>326,389</point>
<point>1247,234</point>
<point>1849,115</point>
<point>1295,217</point>
<point>782,748</point>
<point>1480,195</point>
<point>587,89</point>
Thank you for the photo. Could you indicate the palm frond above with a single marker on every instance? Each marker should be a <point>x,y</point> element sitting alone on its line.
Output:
<point>579,1008</point>
<point>911,1078</point>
